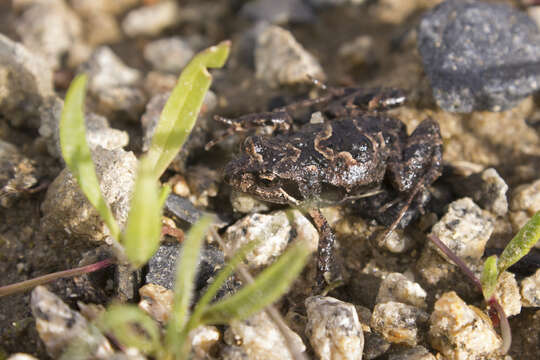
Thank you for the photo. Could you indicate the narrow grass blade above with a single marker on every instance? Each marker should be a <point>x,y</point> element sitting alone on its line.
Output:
<point>132,327</point>
<point>143,228</point>
<point>489,277</point>
<point>271,284</point>
<point>222,276</point>
<point>181,110</point>
<point>521,244</point>
<point>77,155</point>
<point>186,270</point>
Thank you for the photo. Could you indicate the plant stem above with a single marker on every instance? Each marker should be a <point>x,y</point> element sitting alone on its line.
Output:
<point>29,284</point>
<point>506,332</point>
<point>457,260</point>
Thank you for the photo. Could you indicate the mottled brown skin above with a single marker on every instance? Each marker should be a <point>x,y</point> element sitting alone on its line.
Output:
<point>337,160</point>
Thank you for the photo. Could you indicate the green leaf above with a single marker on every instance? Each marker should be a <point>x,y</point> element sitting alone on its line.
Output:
<point>186,269</point>
<point>521,244</point>
<point>143,228</point>
<point>222,276</point>
<point>489,277</point>
<point>181,110</point>
<point>132,327</point>
<point>77,155</point>
<point>271,284</point>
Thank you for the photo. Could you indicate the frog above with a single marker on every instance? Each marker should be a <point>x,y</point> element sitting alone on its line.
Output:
<point>355,152</point>
<point>352,151</point>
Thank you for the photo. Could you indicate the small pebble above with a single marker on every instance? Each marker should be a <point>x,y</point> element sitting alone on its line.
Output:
<point>507,293</point>
<point>333,329</point>
<point>396,287</point>
<point>156,301</point>
<point>374,345</point>
<point>203,184</point>
<point>50,29</point>
<point>17,173</point>
<point>246,203</point>
<point>162,268</point>
<point>26,81</point>
<point>281,60</point>
<point>203,339</point>
<point>394,11</point>
<point>460,331</point>
<point>415,353</point>
<point>272,231</point>
<point>98,130</point>
<point>168,54</point>
<point>67,212</point>
<point>115,7</point>
<point>259,338</point>
<point>58,326</point>
<point>530,290</point>
<point>479,55</point>
<point>487,189</point>
<point>360,51</point>
<point>465,229</point>
<point>151,20</point>
<point>21,356</point>
<point>524,204</point>
<point>112,85</point>
<point>278,11</point>
<point>399,323</point>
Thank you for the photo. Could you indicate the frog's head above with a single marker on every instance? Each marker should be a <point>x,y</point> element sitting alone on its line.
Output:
<point>257,171</point>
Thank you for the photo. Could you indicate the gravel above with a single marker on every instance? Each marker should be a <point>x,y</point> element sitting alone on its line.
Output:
<point>278,11</point>
<point>396,287</point>
<point>479,56</point>
<point>259,338</point>
<point>399,323</point>
<point>274,233</point>
<point>151,20</point>
<point>465,229</point>
<point>98,130</point>
<point>113,86</point>
<point>281,60</point>
<point>17,174</point>
<point>530,290</point>
<point>67,214</point>
<point>58,326</point>
<point>333,329</point>
<point>52,29</point>
<point>460,331</point>
<point>168,54</point>
<point>26,80</point>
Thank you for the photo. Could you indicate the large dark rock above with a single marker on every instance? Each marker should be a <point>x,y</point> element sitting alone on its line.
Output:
<point>479,56</point>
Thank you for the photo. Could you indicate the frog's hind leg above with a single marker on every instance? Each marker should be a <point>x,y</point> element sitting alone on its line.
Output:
<point>419,166</point>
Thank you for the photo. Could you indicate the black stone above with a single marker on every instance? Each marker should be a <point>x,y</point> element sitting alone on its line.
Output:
<point>479,56</point>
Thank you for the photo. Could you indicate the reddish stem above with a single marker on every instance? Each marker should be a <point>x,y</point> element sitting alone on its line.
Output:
<point>29,284</point>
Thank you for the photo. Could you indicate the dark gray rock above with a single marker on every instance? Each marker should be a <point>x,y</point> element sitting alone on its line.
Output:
<point>479,56</point>
<point>162,268</point>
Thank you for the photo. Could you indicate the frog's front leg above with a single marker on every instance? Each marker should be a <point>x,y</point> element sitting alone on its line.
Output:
<point>419,163</point>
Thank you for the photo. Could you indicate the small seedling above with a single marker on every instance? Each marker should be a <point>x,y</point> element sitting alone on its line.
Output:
<point>124,322</point>
<point>516,249</point>
<point>130,326</point>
